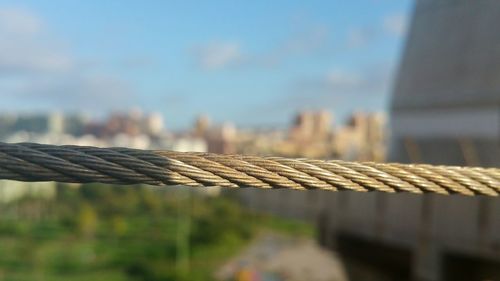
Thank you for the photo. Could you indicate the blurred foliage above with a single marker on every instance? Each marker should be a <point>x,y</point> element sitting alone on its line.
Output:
<point>103,232</point>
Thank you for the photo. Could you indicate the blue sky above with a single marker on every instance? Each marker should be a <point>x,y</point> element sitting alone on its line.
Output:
<point>250,62</point>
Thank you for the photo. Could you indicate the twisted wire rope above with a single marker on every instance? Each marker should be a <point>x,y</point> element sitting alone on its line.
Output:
<point>84,164</point>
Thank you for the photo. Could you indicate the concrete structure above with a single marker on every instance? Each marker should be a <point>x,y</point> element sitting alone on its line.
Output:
<point>445,110</point>
<point>446,103</point>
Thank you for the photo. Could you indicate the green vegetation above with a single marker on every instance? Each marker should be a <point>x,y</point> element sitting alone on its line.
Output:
<point>100,232</point>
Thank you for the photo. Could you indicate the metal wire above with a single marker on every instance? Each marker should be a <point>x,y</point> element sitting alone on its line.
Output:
<point>83,164</point>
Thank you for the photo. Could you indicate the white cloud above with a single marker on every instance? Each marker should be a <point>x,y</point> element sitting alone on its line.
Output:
<point>351,88</point>
<point>396,24</point>
<point>341,91</point>
<point>373,80</point>
<point>342,78</point>
<point>306,41</point>
<point>221,55</point>
<point>218,55</point>
<point>89,93</point>
<point>18,21</point>
<point>26,47</point>
<point>38,72</point>
<point>360,37</point>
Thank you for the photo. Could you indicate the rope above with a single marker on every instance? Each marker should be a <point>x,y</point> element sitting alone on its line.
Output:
<point>83,164</point>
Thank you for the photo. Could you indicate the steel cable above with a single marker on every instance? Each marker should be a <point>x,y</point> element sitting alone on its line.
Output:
<point>83,164</point>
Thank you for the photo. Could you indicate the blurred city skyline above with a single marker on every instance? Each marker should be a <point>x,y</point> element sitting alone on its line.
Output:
<point>252,64</point>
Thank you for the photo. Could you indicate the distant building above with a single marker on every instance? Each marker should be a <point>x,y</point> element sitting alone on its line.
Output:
<point>311,126</point>
<point>201,125</point>
<point>303,127</point>
<point>55,123</point>
<point>51,123</point>
<point>154,124</point>
<point>132,123</point>
<point>363,138</point>
<point>222,139</point>
<point>322,124</point>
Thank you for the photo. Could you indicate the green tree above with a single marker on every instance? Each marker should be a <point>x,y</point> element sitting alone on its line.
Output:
<point>87,221</point>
